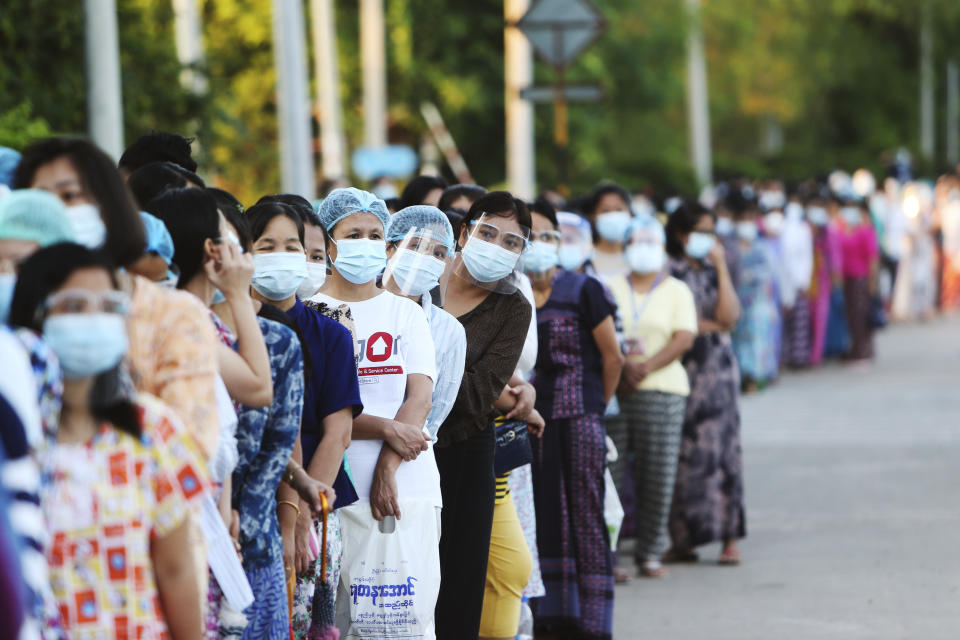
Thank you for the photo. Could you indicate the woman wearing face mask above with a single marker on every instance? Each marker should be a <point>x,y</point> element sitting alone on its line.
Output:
<point>759,330</point>
<point>332,396</point>
<point>391,456</point>
<point>826,276</point>
<point>660,323</point>
<point>578,368</point>
<point>265,437</point>
<point>609,211</point>
<point>127,453</point>
<point>495,317</point>
<point>314,242</point>
<point>172,352</point>
<point>576,243</point>
<point>414,269</point>
<point>708,495</point>
<point>798,270</point>
<point>858,244</point>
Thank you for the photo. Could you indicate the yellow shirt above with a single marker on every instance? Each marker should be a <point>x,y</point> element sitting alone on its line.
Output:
<point>670,309</point>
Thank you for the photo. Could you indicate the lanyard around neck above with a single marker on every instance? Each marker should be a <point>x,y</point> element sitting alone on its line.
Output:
<point>638,311</point>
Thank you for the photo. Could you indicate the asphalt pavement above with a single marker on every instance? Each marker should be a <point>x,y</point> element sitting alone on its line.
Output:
<point>852,482</point>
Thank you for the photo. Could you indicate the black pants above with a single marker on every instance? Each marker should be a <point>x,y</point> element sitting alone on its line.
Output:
<point>467,484</point>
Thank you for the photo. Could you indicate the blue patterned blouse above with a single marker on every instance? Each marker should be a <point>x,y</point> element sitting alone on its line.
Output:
<point>265,439</point>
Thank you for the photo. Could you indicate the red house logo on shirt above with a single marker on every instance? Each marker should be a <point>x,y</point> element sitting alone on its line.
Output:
<point>379,347</point>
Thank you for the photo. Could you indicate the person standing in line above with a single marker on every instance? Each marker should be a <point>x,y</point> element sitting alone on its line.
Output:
<point>826,276</point>
<point>659,326</point>
<point>798,270</point>
<point>608,210</point>
<point>858,241</point>
<point>578,368</point>
<point>122,472</point>
<point>483,296</point>
<point>757,336</point>
<point>708,495</point>
<point>331,396</point>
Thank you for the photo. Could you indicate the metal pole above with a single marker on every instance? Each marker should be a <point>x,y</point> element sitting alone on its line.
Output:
<point>518,74</point>
<point>293,101</point>
<point>328,88</point>
<point>927,132</point>
<point>373,63</point>
<point>104,100</point>
<point>698,108</point>
<point>188,37</point>
<point>953,113</point>
<point>561,131</point>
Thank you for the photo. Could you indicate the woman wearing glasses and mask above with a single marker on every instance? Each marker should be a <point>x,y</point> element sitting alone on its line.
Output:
<point>122,473</point>
<point>482,295</point>
<point>577,371</point>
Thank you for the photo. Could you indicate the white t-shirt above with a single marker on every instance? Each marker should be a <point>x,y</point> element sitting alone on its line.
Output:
<point>394,342</point>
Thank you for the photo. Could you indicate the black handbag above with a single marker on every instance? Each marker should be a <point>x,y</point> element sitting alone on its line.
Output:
<point>513,446</point>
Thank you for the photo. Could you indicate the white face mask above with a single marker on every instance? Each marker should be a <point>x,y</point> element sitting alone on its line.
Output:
<point>747,230</point>
<point>773,223</point>
<point>316,276</point>
<point>645,257</point>
<point>88,227</point>
<point>723,226</point>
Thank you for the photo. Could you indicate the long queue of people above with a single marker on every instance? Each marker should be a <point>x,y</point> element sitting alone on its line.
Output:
<point>382,419</point>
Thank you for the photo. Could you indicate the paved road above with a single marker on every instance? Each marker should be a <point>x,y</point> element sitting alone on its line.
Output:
<point>853,510</point>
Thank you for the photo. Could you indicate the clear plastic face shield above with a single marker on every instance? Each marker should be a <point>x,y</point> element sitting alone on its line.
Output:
<point>576,241</point>
<point>491,253</point>
<point>418,261</point>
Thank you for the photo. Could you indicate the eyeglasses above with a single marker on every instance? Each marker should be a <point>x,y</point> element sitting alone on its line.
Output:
<point>546,237</point>
<point>86,301</point>
<point>508,240</point>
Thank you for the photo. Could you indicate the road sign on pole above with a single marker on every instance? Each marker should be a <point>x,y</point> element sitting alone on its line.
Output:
<point>559,30</point>
<point>572,93</point>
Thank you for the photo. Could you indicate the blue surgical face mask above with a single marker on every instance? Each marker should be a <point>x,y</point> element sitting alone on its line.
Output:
<point>415,273</point>
<point>644,257</point>
<point>818,216</point>
<point>276,276</point>
<point>316,276</point>
<point>488,262</point>
<point>851,215</point>
<point>612,226</point>
<point>8,282</point>
<point>699,245</point>
<point>359,261</point>
<point>539,257</point>
<point>724,226</point>
<point>571,257</point>
<point>87,344</point>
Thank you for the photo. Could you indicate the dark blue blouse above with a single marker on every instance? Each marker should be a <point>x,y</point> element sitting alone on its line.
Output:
<point>333,385</point>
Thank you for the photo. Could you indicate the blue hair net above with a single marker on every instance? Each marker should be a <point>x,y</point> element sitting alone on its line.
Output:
<point>340,203</point>
<point>421,216</point>
<point>9,159</point>
<point>647,223</point>
<point>158,237</point>
<point>34,216</point>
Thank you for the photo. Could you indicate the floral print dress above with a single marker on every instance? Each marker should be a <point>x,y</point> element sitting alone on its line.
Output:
<point>708,496</point>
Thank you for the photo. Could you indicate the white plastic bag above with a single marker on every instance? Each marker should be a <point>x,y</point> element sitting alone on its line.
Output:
<point>612,509</point>
<point>389,581</point>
